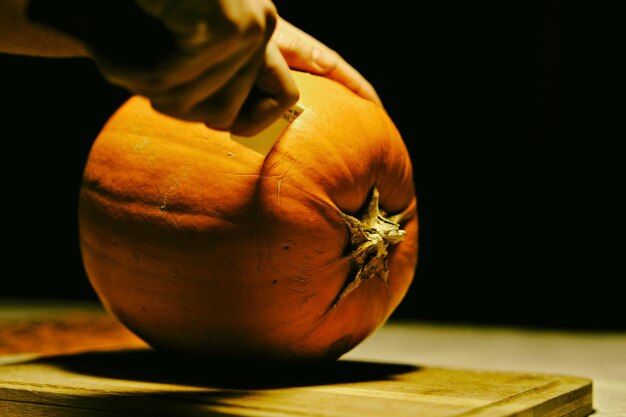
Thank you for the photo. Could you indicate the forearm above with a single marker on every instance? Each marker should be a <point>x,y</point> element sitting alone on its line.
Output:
<point>19,35</point>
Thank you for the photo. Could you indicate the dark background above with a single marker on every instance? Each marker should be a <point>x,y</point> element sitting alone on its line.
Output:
<point>511,232</point>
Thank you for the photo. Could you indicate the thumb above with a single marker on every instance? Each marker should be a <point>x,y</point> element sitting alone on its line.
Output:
<point>303,52</point>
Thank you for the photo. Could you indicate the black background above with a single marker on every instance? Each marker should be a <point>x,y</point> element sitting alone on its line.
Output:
<point>510,231</point>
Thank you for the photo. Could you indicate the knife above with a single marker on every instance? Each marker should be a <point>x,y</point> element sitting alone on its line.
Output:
<point>264,141</point>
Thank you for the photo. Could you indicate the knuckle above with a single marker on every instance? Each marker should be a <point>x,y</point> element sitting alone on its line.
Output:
<point>175,109</point>
<point>290,46</point>
<point>271,17</point>
<point>252,30</point>
<point>168,109</point>
<point>174,105</point>
<point>289,97</point>
<point>218,123</point>
<point>252,26</point>
<point>140,78</point>
<point>221,119</point>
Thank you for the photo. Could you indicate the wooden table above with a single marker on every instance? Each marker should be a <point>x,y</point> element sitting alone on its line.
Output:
<point>71,359</point>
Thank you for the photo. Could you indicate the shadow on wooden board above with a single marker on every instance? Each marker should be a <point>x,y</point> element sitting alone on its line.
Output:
<point>145,365</point>
<point>142,382</point>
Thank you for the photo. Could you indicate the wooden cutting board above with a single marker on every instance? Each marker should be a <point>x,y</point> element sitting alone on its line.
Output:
<point>84,363</point>
<point>144,383</point>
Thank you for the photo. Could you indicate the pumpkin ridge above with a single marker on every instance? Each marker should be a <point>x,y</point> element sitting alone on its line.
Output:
<point>155,211</point>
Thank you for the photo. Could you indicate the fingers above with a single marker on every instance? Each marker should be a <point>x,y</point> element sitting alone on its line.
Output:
<point>215,68</point>
<point>220,108</point>
<point>187,95</point>
<point>304,52</point>
<point>250,101</point>
<point>243,95</point>
<point>274,93</point>
<point>207,33</point>
<point>351,78</point>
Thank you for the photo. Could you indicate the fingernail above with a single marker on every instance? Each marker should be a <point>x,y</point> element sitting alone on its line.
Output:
<point>325,61</point>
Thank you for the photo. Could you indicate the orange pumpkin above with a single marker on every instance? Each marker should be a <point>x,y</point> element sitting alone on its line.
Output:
<point>201,246</point>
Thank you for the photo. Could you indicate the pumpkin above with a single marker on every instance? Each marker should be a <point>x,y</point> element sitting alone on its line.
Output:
<point>201,246</point>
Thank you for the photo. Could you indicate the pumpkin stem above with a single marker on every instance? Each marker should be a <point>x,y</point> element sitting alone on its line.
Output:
<point>370,236</point>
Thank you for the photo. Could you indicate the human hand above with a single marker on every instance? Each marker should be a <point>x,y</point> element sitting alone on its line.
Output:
<point>211,61</point>
<point>205,61</point>
<point>222,71</point>
<point>302,51</point>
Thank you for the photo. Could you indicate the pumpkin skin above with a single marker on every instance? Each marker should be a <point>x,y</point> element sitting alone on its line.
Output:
<point>201,246</point>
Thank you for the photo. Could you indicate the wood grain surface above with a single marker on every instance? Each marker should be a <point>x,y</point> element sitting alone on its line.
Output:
<point>72,369</point>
